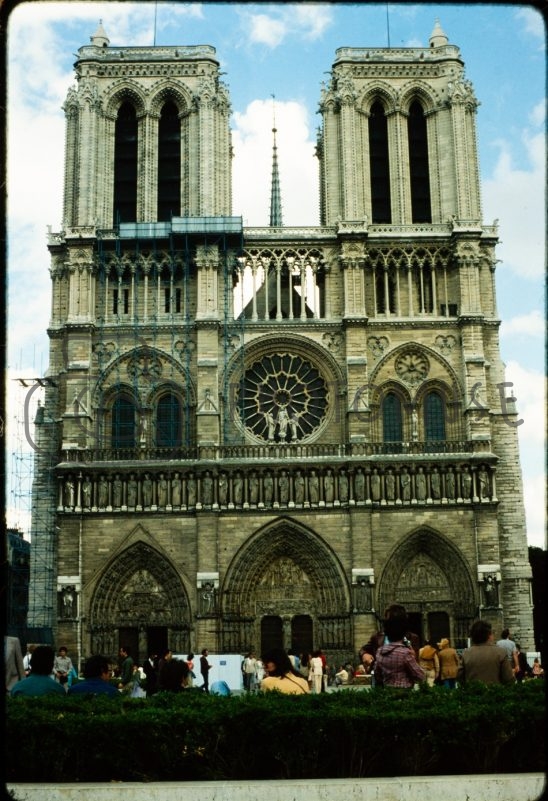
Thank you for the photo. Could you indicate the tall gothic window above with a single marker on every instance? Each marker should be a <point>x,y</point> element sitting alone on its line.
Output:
<point>379,165</point>
<point>123,423</point>
<point>391,418</point>
<point>169,163</point>
<point>125,165</point>
<point>168,422</point>
<point>418,164</point>
<point>434,417</point>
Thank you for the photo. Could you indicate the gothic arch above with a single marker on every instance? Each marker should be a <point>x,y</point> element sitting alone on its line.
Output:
<point>125,91</point>
<point>378,91</point>
<point>444,565</point>
<point>450,380</point>
<point>285,569</point>
<point>286,538</point>
<point>137,589</point>
<point>156,359</point>
<point>165,92</point>
<point>420,91</point>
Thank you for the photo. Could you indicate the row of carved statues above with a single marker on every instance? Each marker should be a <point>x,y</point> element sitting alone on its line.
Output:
<point>280,487</point>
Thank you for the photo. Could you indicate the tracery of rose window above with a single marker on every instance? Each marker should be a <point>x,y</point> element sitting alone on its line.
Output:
<point>283,398</point>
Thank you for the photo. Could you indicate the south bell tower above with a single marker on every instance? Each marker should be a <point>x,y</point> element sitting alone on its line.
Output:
<point>263,436</point>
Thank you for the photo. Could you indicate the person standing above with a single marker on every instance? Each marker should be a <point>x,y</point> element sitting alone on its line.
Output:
<point>205,667</point>
<point>249,668</point>
<point>509,646</point>
<point>395,662</point>
<point>150,669</point>
<point>316,671</point>
<point>449,663</point>
<point>525,671</point>
<point>190,666</point>
<point>126,669</point>
<point>13,661</point>
<point>26,658</point>
<point>39,681</point>
<point>62,666</point>
<point>96,679</point>
<point>484,661</point>
<point>429,662</point>
<point>281,676</point>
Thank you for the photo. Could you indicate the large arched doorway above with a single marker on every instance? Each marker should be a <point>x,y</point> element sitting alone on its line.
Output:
<point>428,575</point>
<point>286,588</point>
<point>140,601</point>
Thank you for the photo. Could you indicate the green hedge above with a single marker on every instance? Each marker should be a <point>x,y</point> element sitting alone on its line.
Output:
<point>193,736</point>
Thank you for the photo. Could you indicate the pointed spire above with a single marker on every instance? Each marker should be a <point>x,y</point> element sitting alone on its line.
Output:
<point>100,38</point>
<point>275,193</point>
<point>438,37</point>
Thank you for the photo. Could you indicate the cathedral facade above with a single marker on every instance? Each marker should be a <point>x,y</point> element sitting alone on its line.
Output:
<point>257,437</point>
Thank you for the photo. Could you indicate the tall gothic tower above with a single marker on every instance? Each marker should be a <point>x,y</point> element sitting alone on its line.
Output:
<point>263,436</point>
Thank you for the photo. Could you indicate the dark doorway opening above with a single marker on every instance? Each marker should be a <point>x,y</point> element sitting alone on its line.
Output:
<point>302,635</point>
<point>271,633</point>
<point>157,640</point>
<point>129,636</point>
<point>438,626</point>
<point>415,625</point>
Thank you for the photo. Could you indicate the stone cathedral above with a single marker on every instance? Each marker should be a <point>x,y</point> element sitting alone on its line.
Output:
<point>256,437</point>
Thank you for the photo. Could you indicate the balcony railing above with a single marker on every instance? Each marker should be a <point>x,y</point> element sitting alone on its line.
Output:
<point>274,451</point>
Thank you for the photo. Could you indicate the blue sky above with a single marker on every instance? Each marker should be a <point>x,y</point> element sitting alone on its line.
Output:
<point>286,50</point>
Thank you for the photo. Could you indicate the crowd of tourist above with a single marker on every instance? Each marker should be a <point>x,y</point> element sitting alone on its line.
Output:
<point>393,657</point>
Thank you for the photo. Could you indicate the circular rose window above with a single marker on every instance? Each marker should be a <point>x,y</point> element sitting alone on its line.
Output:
<point>283,398</point>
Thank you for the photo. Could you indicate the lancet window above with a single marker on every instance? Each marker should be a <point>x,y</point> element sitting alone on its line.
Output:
<point>125,165</point>
<point>418,165</point>
<point>379,165</point>
<point>169,163</point>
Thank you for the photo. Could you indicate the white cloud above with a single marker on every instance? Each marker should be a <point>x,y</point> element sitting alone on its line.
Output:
<point>313,19</point>
<point>529,388</point>
<point>266,30</point>
<point>252,165</point>
<point>516,197</point>
<point>302,20</point>
<point>532,324</point>
<point>533,22</point>
<point>537,116</point>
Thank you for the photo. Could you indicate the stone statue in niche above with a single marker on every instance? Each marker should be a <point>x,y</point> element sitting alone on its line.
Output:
<point>176,490</point>
<point>490,591</point>
<point>483,478</point>
<point>253,488</point>
<point>450,484</point>
<point>207,598</point>
<point>405,481</point>
<point>86,493</point>
<point>207,489</point>
<point>283,422</point>
<point>299,487</point>
<point>223,489</point>
<point>435,485</point>
<point>328,487</point>
<point>102,500</point>
<point>69,493</point>
<point>132,492</point>
<point>343,487</point>
<point>191,490</point>
<point>375,486</point>
<point>271,423</point>
<point>313,487</point>
<point>268,489</point>
<point>117,492</point>
<point>359,485</point>
<point>466,483</point>
<point>162,490</point>
<point>420,485</point>
<point>283,487</point>
<point>390,482</point>
<point>68,602</point>
<point>238,487</point>
<point>147,490</point>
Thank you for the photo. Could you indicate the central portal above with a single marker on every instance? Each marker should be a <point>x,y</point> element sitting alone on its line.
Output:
<point>296,636</point>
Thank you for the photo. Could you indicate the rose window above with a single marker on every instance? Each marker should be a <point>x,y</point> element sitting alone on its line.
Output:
<point>283,398</point>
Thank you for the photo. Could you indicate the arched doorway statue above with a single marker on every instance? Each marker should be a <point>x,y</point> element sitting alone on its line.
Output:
<point>428,575</point>
<point>286,588</point>
<point>139,601</point>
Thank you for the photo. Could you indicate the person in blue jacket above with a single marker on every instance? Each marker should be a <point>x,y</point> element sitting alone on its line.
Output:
<point>96,679</point>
